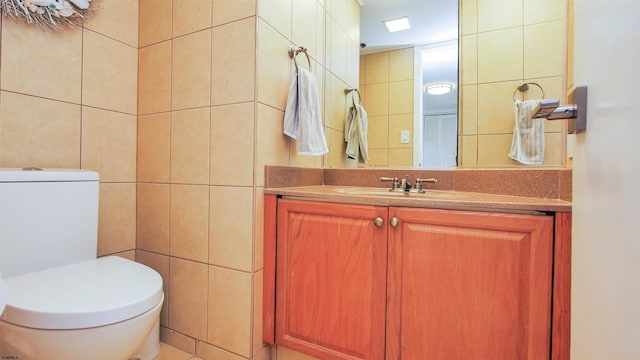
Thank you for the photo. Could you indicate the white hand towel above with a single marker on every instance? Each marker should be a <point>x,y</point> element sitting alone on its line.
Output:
<point>302,118</point>
<point>355,133</point>
<point>527,146</point>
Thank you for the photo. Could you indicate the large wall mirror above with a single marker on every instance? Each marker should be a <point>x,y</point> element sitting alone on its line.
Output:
<point>472,56</point>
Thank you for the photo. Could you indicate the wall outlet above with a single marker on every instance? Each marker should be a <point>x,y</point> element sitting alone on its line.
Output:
<point>404,136</point>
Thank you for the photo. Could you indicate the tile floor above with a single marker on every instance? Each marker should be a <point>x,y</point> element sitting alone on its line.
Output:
<point>170,353</point>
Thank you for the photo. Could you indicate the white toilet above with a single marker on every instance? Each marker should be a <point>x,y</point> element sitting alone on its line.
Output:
<point>62,302</point>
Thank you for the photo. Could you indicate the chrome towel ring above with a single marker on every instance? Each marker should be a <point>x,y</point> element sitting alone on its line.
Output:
<point>525,87</point>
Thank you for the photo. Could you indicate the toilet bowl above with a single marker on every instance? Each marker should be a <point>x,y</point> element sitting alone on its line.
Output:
<point>106,308</point>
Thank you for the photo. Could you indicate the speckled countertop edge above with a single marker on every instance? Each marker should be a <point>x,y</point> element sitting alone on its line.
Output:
<point>458,200</point>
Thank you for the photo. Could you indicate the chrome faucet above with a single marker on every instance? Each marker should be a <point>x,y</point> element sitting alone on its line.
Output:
<point>404,184</point>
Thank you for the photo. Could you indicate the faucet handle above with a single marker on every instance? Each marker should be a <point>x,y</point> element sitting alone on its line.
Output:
<point>394,180</point>
<point>419,182</point>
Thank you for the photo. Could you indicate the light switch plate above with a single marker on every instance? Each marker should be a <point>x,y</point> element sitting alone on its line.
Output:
<point>404,136</point>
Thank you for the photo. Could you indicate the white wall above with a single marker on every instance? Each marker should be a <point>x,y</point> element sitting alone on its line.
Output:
<point>606,182</point>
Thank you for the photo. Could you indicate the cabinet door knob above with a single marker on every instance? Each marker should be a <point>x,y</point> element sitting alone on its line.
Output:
<point>378,221</point>
<point>394,222</point>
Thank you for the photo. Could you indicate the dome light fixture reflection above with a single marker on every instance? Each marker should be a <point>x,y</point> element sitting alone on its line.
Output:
<point>438,88</point>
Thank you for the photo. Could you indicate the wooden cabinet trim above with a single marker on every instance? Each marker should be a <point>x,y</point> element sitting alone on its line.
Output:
<point>269,272</point>
<point>561,322</point>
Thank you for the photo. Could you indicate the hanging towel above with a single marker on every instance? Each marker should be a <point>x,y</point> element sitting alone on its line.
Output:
<point>302,120</point>
<point>527,146</point>
<point>355,133</point>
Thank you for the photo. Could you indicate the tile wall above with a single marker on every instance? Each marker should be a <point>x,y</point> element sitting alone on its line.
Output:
<point>386,80</point>
<point>213,81</point>
<point>69,99</point>
<point>503,43</point>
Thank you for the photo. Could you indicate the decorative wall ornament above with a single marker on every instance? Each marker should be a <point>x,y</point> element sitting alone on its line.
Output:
<point>49,14</point>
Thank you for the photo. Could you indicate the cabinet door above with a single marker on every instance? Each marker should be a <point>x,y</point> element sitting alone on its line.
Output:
<point>331,279</point>
<point>465,285</point>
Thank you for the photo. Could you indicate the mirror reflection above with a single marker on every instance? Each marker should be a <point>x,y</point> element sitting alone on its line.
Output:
<point>410,82</point>
<point>502,44</point>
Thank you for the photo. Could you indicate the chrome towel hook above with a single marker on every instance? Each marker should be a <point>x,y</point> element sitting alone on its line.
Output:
<point>294,51</point>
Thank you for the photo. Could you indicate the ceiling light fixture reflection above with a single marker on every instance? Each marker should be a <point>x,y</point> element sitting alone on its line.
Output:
<point>438,88</point>
<point>398,24</point>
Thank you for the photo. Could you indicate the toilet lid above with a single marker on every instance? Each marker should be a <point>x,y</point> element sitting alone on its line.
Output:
<point>88,294</point>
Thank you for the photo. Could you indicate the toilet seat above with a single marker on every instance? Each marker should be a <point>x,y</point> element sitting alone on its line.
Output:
<point>87,294</point>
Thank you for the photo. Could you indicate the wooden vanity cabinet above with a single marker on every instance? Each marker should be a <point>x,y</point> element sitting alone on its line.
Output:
<point>330,292</point>
<point>424,284</point>
<point>469,285</point>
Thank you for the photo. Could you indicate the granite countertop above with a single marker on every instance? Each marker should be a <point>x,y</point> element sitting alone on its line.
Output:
<point>440,199</point>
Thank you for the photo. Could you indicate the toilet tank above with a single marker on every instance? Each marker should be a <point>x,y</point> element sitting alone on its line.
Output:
<point>48,218</point>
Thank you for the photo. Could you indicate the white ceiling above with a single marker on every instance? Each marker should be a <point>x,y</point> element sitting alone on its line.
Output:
<point>431,21</point>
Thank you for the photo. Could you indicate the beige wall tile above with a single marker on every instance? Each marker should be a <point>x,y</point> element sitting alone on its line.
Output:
<point>110,74</point>
<point>272,146</point>
<point>190,146</point>
<point>230,310</point>
<point>351,21</point>
<point>493,151</point>
<point>378,157</point>
<point>274,67</point>
<point>337,42</point>
<point>154,82</point>
<point>396,124</point>
<point>225,11</point>
<point>117,218</point>
<point>499,14</point>
<point>401,97</point>
<point>337,146</point>
<point>336,103</point>
<point>109,144</point>
<point>153,218</point>
<point>496,110</point>
<point>377,100</point>
<point>231,227</point>
<point>257,311</point>
<point>538,39</point>
<point>401,64</point>
<point>129,255</point>
<point>154,148</point>
<point>401,157</point>
<point>168,352</point>
<point>500,55</point>
<point>117,19</point>
<point>232,144</point>
<point>189,222</point>
<point>469,151</point>
<point>376,68</point>
<point>469,16</point>
<point>177,340</point>
<point>353,65</point>
<point>155,21</point>
<point>42,63</point>
<point>554,149</point>
<point>304,18</point>
<point>469,116</point>
<point>190,16</point>
<point>258,238</point>
<point>38,132</point>
<point>188,302</point>
<point>191,71</point>
<point>159,263</point>
<point>537,11</point>
<point>469,59</point>
<point>378,132</point>
<point>210,352</point>
<point>277,13</point>
<point>321,34</point>
<point>233,63</point>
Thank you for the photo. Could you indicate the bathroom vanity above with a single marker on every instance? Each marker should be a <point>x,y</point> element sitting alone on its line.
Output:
<point>362,273</point>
